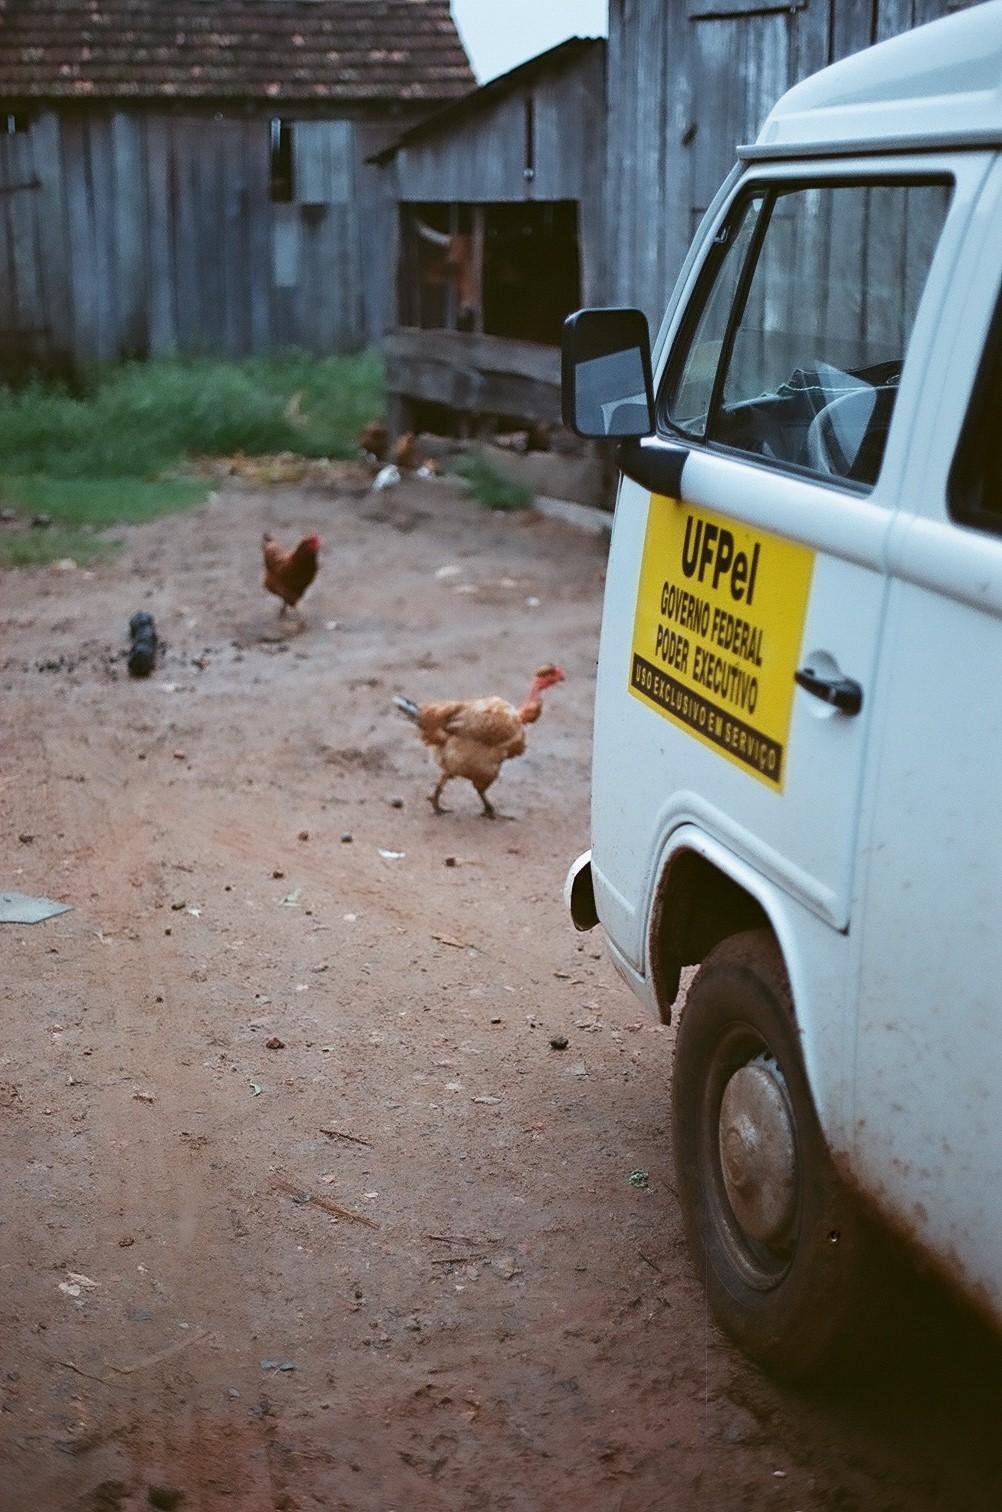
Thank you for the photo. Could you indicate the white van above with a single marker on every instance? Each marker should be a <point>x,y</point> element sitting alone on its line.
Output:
<point>798,728</point>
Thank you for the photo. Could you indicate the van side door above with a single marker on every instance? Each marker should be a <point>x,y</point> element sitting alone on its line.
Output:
<point>926,1126</point>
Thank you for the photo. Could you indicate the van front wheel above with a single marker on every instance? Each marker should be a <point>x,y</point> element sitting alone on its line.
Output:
<point>774,1233</point>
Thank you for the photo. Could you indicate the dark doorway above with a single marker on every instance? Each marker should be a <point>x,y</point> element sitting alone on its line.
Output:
<point>511,270</point>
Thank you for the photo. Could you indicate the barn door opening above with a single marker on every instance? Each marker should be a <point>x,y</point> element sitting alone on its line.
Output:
<point>509,270</point>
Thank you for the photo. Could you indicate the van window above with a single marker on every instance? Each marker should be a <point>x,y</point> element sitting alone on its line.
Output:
<point>976,475</point>
<point>796,355</point>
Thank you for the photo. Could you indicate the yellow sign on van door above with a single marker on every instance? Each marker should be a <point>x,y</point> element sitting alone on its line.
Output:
<point>720,618</point>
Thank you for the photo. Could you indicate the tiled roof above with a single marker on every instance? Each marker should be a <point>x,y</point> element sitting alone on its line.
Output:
<point>339,50</point>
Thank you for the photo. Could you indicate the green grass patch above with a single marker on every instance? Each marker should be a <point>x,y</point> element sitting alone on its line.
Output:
<point>98,458</point>
<point>143,418</point>
<point>37,548</point>
<point>79,509</point>
<point>489,485</point>
<point>99,503</point>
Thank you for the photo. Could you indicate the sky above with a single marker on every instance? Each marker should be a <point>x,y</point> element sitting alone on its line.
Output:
<point>500,34</point>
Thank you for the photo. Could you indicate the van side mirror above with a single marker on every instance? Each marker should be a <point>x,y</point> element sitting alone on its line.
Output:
<point>606,374</point>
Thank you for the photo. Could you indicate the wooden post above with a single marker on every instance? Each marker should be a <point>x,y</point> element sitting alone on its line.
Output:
<point>451,301</point>
<point>479,216</point>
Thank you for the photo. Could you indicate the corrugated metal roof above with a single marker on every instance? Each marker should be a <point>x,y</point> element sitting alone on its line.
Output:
<point>563,55</point>
<point>304,50</point>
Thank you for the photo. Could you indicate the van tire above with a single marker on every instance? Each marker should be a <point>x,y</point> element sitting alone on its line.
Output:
<point>779,1242</point>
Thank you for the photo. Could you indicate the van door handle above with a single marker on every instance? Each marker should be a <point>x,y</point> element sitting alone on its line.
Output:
<point>842,692</point>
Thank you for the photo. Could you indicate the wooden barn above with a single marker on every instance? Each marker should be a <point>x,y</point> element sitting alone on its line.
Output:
<point>497,236</point>
<point>191,175</point>
<point>687,82</point>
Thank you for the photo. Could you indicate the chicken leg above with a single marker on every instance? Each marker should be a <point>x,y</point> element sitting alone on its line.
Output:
<point>433,798</point>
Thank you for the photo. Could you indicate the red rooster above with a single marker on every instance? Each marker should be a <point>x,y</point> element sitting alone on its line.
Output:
<point>288,574</point>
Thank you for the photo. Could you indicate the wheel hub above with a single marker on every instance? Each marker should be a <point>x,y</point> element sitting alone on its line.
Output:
<point>758,1150</point>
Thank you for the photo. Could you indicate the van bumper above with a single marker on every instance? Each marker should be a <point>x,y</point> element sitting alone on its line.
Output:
<point>579,894</point>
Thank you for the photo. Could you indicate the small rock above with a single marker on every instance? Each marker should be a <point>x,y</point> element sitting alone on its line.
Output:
<point>396,803</point>
<point>347,838</point>
<point>506,1266</point>
<point>274,1043</point>
<point>496,1019</point>
<point>25,839</point>
<point>450,860</point>
<point>303,835</point>
<point>558,1042</point>
<point>165,1497</point>
<point>233,1393</point>
<point>127,1242</point>
<point>277,875</point>
<point>41,521</point>
<point>180,755</point>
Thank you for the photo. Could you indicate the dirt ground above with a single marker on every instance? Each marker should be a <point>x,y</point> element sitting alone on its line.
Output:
<point>506,1322</point>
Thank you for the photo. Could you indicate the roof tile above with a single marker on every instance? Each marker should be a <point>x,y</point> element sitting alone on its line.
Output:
<point>350,50</point>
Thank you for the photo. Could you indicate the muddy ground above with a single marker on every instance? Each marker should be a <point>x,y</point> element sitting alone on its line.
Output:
<point>506,1322</point>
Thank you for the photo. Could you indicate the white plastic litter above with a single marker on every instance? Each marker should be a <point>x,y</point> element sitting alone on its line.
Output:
<point>386,477</point>
<point>20,908</point>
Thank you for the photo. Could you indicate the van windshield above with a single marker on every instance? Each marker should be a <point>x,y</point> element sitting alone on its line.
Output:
<point>804,324</point>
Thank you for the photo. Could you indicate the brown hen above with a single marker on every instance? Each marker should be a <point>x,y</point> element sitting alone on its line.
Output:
<point>374,439</point>
<point>474,738</point>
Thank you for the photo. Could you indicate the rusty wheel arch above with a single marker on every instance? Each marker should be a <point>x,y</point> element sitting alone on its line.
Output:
<point>695,907</point>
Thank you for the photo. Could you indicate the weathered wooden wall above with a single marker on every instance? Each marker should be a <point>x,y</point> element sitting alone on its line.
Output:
<point>136,233</point>
<point>483,155</point>
<point>688,80</point>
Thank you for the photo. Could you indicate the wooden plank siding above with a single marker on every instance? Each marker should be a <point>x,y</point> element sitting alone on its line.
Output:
<point>686,84</point>
<point>484,156</point>
<point>128,233</point>
<point>18,211</point>
<point>482,159</point>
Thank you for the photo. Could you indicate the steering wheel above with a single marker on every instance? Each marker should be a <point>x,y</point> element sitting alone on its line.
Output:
<point>846,439</point>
